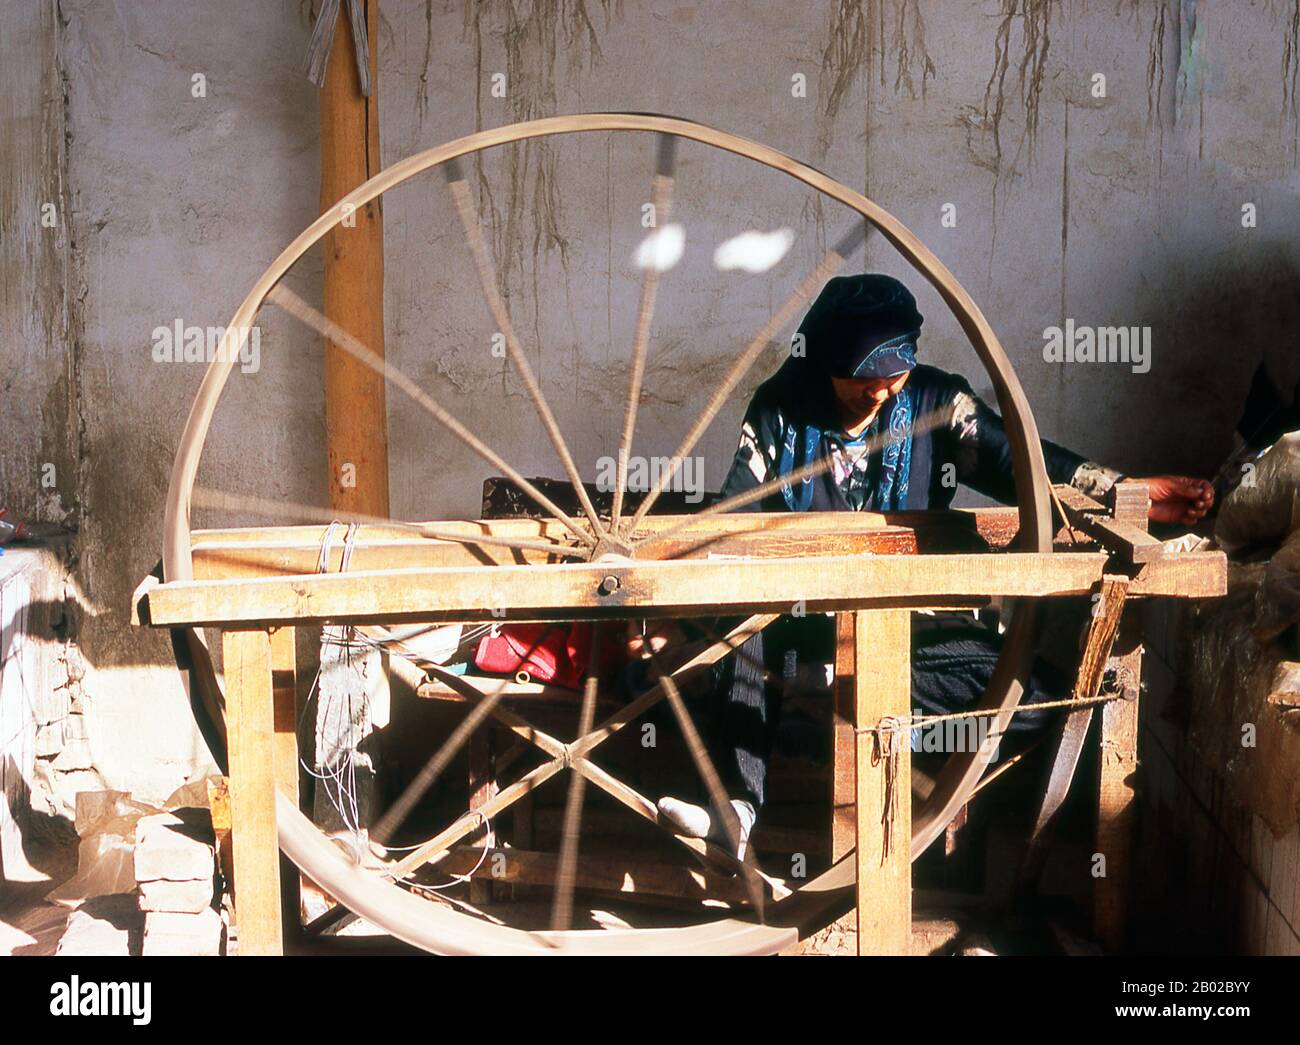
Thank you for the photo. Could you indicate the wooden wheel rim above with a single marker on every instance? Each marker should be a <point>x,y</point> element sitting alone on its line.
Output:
<point>815,903</point>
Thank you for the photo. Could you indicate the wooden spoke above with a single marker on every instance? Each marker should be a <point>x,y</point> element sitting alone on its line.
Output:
<point>713,783</point>
<point>572,754</point>
<point>524,730</point>
<point>662,195</point>
<point>468,214</point>
<point>207,497</point>
<point>423,780</point>
<point>631,712</point>
<point>286,299</point>
<point>813,283</point>
<point>566,872</point>
<point>808,471</point>
<point>467,824</point>
<point>707,851</point>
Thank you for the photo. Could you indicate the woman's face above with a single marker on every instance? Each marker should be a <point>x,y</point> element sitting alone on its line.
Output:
<point>861,397</point>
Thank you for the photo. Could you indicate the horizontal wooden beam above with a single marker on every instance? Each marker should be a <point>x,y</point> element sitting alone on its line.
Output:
<point>531,691</point>
<point>297,550</point>
<point>570,591</point>
<point>738,522</point>
<point>287,550</point>
<point>1122,536</point>
<point>597,873</point>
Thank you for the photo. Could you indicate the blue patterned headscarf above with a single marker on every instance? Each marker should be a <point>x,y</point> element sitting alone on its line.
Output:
<point>859,326</point>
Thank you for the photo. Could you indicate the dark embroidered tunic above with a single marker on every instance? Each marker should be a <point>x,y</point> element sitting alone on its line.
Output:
<point>955,438</point>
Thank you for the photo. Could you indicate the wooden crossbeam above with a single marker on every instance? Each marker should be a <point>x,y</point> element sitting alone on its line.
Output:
<point>1123,535</point>
<point>566,756</point>
<point>251,731</point>
<point>996,526</point>
<point>520,691</point>
<point>604,874</point>
<point>293,551</point>
<point>1103,626</point>
<point>768,522</point>
<point>614,591</point>
<point>706,850</point>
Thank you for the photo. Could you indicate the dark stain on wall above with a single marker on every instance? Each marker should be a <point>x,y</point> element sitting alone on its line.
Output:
<point>1030,65</point>
<point>525,215</point>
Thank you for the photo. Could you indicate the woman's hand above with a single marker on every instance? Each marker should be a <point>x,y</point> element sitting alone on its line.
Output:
<point>1179,499</point>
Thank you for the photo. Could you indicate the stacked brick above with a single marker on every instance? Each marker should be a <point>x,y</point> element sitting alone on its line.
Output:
<point>175,872</point>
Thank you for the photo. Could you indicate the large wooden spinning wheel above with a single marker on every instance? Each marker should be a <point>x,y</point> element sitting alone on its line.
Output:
<point>582,565</point>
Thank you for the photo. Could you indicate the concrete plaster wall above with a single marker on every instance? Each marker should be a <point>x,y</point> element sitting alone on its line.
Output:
<point>1115,210</point>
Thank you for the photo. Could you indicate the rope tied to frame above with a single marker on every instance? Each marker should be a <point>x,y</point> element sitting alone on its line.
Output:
<point>887,739</point>
<point>887,745</point>
<point>912,721</point>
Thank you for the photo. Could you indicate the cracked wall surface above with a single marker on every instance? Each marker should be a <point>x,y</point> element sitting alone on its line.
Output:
<point>1121,209</point>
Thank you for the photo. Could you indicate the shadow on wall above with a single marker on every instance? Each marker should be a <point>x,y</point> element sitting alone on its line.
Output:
<point>1212,324</point>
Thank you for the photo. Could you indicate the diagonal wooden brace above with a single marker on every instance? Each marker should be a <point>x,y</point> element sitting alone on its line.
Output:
<point>573,755</point>
<point>1102,630</point>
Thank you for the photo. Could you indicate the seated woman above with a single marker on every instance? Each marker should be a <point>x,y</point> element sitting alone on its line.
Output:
<point>897,435</point>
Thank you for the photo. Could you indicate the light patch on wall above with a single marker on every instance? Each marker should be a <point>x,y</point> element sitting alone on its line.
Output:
<point>753,251</point>
<point>662,249</point>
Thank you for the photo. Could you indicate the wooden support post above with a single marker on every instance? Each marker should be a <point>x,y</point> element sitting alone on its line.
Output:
<point>355,418</point>
<point>522,835</point>
<point>1117,766</point>
<point>882,689</point>
<point>250,726</point>
<point>1117,790</point>
<point>284,689</point>
<point>844,743</point>
<point>482,789</point>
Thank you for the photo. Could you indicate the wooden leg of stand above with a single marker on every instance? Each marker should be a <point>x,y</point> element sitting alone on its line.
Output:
<point>483,788</point>
<point>1117,792</point>
<point>284,688</point>
<point>843,743</point>
<point>250,728</point>
<point>882,689</point>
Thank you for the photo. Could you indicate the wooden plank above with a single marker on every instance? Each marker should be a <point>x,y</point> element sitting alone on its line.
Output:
<point>599,873</point>
<point>583,590</point>
<point>1130,503</point>
<point>1124,533</point>
<point>250,729</point>
<point>465,825</point>
<point>1131,543</point>
<point>284,690</point>
<point>882,689</point>
<point>995,525</point>
<point>1103,626</point>
<point>311,534</point>
<point>218,559</point>
<point>1076,500</point>
<point>844,743</point>
<point>505,499</point>
<point>482,789</point>
<point>708,851</point>
<point>356,423</point>
<point>1117,790</point>
<point>608,828</point>
<point>526,691</point>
